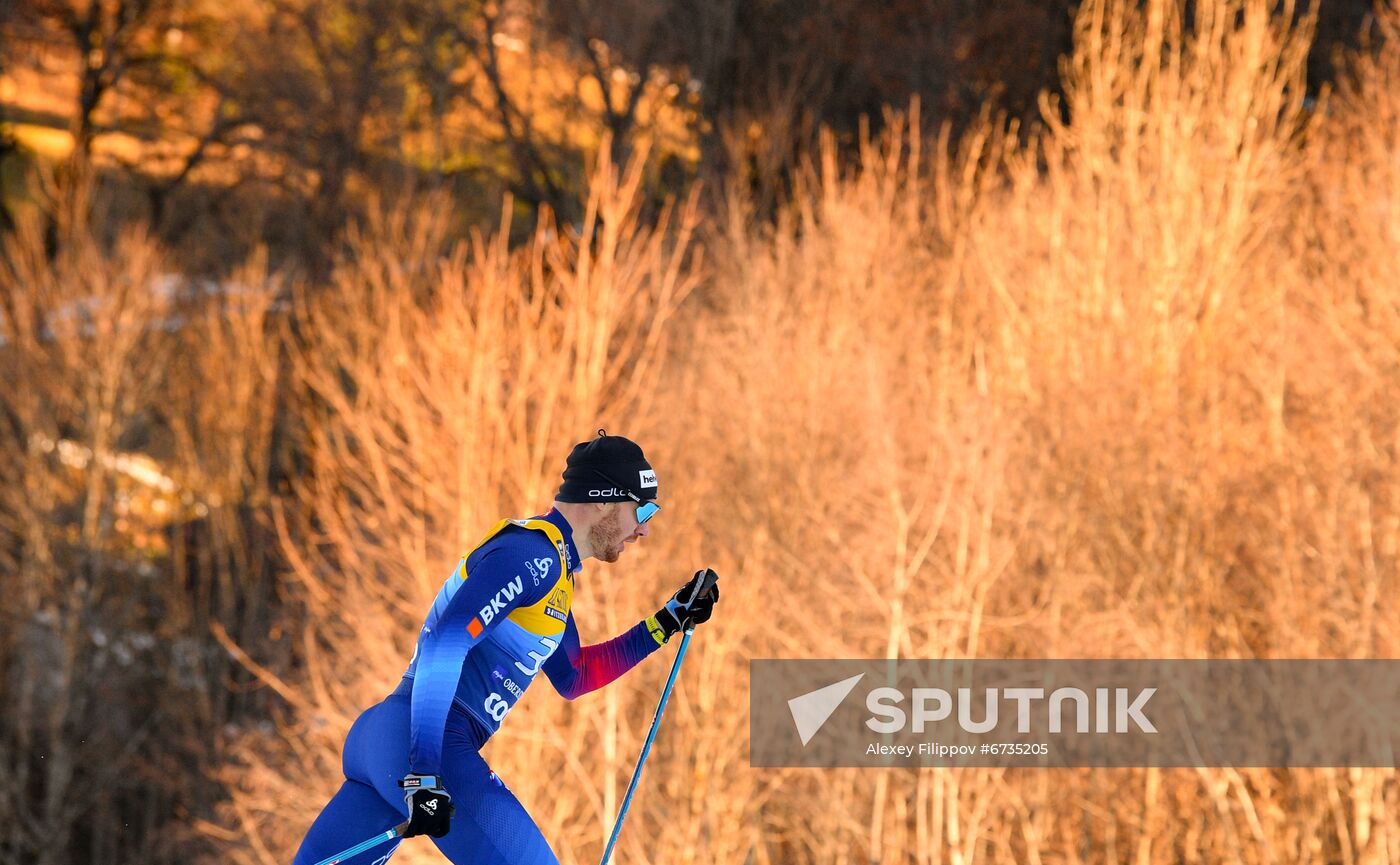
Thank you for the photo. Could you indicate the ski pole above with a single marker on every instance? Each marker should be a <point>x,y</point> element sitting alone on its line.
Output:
<point>386,835</point>
<point>704,586</point>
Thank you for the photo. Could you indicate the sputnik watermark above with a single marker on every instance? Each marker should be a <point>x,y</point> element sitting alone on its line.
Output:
<point>810,710</point>
<point>933,705</point>
<point>890,717</point>
<point>1075,713</point>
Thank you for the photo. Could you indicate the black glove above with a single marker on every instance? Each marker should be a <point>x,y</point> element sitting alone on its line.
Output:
<point>693,605</point>
<point>430,809</point>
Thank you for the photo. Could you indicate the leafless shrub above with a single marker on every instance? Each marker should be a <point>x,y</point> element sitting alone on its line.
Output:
<point>82,362</point>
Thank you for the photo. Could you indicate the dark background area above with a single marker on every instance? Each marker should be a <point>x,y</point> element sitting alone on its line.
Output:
<point>283,115</point>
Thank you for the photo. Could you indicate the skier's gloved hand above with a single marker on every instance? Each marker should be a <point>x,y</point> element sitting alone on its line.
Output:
<point>694,603</point>
<point>430,809</point>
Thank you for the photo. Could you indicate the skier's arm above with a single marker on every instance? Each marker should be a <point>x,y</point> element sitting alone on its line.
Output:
<point>575,670</point>
<point>464,619</point>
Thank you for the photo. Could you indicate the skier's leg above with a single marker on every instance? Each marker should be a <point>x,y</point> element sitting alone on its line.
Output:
<point>353,814</point>
<point>360,808</point>
<point>490,827</point>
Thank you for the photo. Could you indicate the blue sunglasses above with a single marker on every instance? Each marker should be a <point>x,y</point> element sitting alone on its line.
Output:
<point>645,509</point>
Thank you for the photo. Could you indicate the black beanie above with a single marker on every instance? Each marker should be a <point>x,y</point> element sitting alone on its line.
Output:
<point>599,467</point>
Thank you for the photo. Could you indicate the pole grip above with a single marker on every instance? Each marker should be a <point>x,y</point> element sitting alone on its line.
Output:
<point>705,584</point>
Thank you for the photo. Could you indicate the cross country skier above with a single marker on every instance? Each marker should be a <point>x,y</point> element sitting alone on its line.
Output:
<point>501,618</point>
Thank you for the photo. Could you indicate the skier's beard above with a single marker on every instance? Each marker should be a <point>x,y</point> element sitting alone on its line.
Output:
<point>605,537</point>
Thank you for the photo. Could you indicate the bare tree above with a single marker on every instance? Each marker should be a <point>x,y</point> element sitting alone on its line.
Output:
<point>80,337</point>
<point>108,40</point>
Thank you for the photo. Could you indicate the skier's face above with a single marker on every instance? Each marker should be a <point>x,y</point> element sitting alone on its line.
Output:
<point>610,535</point>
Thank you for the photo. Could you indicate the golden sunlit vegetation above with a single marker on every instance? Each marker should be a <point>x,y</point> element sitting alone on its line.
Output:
<point>1119,384</point>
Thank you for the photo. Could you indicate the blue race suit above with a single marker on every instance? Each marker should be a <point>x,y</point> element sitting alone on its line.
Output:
<point>503,616</point>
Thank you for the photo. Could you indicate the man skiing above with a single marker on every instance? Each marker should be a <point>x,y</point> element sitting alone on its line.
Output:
<point>503,616</point>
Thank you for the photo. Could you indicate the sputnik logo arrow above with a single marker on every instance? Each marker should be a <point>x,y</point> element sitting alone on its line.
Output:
<point>811,710</point>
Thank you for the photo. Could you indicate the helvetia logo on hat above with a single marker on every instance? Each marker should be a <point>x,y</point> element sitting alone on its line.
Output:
<point>648,478</point>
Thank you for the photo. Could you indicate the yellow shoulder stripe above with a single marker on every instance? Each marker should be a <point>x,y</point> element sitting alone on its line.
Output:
<point>545,617</point>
